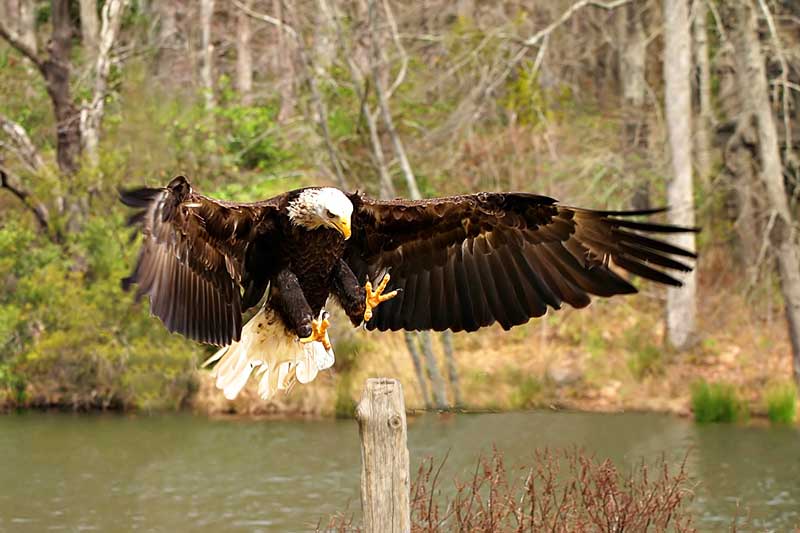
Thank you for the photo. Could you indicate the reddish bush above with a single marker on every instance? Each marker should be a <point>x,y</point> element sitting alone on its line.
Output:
<point>565,491</point>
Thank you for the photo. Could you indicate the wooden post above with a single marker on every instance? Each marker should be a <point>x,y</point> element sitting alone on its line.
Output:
<point>381,416</point>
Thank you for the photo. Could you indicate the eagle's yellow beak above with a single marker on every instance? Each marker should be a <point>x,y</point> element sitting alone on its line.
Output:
<point>343,225</point>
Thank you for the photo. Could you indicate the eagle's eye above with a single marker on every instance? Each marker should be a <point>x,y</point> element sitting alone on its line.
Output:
<point>329,213</point>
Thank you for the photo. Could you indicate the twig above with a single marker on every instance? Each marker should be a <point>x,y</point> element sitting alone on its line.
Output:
<point>266,18</point>
<point>566,15</point>
<point>764,247</point>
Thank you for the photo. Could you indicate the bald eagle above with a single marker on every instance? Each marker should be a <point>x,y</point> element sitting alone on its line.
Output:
<point>459,263</point>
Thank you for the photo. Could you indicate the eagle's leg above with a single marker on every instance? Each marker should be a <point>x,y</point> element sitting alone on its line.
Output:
<point>376,297</point>
<point>349,292</point>
<point>319,331</point>
<point>288,299</point>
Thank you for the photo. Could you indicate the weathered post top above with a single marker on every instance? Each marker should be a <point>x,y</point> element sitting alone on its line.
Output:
<point>381,416</point>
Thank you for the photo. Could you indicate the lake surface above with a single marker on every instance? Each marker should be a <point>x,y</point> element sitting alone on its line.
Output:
<point>189,473</point>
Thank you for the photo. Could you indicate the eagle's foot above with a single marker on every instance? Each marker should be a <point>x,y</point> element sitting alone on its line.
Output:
<point>376,297</point>
<point>319,331</point>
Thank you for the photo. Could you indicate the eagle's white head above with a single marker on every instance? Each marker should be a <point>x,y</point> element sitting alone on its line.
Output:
<point>326,206</point>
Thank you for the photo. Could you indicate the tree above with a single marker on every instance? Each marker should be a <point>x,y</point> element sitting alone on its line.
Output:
<point>90,25</point>
<point>632,65</point>
<point>703,76</point>
<point>92,116</point>
<point>783,237</point>
<point>207,52</point>
<point>244,57</point>
<point>55,69</point>
<point>681,302</point>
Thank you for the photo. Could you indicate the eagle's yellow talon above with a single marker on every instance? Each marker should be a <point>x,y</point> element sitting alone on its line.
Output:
<point>376,297</point>
<point>319,332</point>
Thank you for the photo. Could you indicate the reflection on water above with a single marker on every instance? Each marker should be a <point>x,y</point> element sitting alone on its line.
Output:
<point>181,472</point>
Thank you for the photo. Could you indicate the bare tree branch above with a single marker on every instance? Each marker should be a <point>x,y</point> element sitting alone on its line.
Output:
<point>16,42</point>
<point>540,37</point>
<point>566,15</point>
<point>316,97</point>
<point>23,144</point>
<point>268,19</point>
<point>38,209</point>
<point>385,185</point>
<point>386,113</point>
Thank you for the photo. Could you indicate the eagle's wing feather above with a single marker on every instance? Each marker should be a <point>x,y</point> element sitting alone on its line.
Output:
<point>193,260</point>
<point>464,262</point>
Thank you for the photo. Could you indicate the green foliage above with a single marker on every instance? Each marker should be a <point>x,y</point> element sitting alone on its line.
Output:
<point>345,405</point>
<point>781,403</point>
<point>645,361</point>
<point>645,358</point>
<point>525,97</point>
<point>527,389</point>
<point>717,402</point>
<point>249,131</point>
<point>70,336</point>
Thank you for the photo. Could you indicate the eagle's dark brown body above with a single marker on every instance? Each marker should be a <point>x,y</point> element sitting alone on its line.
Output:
<point>314,259</point>
<point>462,262</point>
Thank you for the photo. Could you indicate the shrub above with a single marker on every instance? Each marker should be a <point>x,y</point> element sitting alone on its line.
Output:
<point>781,400</point>
<point>645,360</point>
<point>563,491</point>
<point>716,402</point>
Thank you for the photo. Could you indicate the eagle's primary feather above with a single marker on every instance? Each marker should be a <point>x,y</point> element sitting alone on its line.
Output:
<point>460,262</point>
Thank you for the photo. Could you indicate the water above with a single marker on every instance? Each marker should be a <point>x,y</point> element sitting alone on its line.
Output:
<point>183,472</point>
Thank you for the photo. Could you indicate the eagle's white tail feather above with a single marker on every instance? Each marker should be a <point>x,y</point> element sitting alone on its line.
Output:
<point>275,355</point>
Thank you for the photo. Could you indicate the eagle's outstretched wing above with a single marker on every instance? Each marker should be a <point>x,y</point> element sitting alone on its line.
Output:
<point>464,262</point>
<point>193,260</point>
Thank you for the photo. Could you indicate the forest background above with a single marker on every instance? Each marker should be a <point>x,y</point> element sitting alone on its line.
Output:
<point>604,104</point>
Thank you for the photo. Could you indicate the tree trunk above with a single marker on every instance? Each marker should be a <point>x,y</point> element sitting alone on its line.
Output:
<point>439,388</point>
<point>285,71</point>
<point>167,37</point>
<point>703,122</point>
<point>9,15</point>
<point>27,24</point>
<point>92,116</point>
<point>90,26</point>
<point>244,57</point>
<point>632,63</point>
<point>452,367</point>
<point>56,71</point>
<point>416,360</point>
<point>324,37</point>
<point>681,302</point>
<point>207,52</point>
<point>783,239</point>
